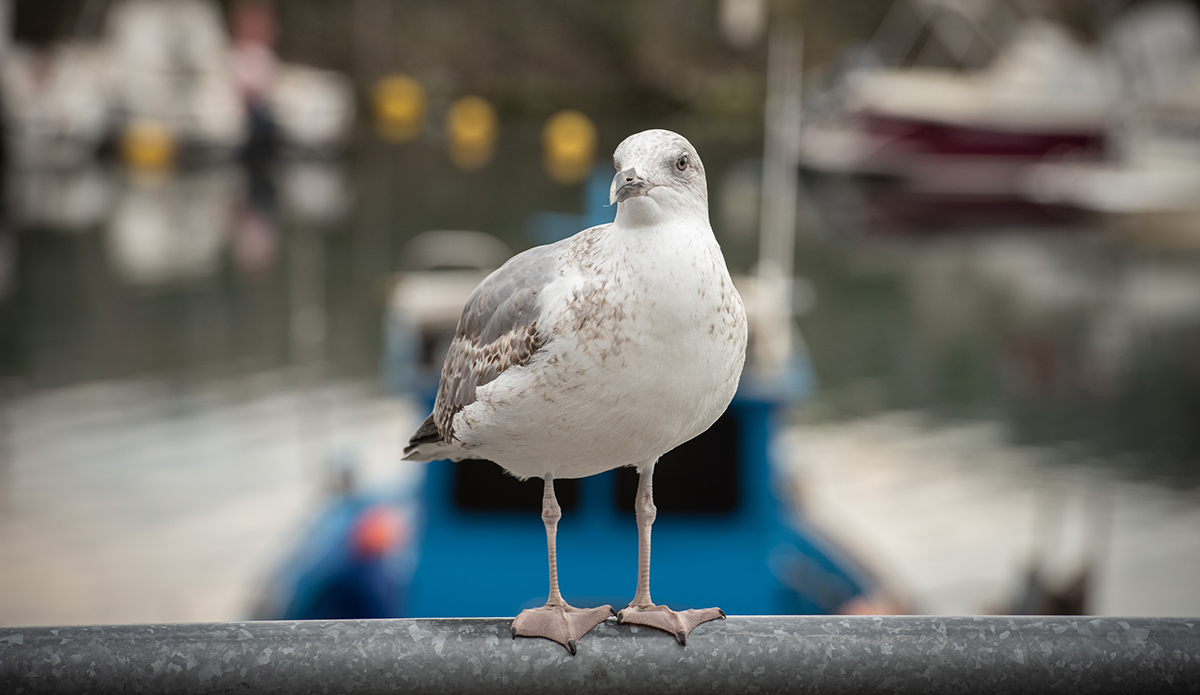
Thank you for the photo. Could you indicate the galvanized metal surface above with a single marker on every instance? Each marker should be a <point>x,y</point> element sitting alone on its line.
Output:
<point>777,654</point>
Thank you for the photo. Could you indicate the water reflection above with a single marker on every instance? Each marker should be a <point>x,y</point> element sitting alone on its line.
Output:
<point>1072,340</point>
<point>314,193</point>
<point>74,199</point>
<point>171,228</point>
<point>150,278</point>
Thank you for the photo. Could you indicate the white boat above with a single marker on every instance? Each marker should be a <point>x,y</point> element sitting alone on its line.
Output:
<point>971,131</point>
<point>1113,128</point>
<point>55,104</point>
<point>169,62</point>
<point>313,108</point>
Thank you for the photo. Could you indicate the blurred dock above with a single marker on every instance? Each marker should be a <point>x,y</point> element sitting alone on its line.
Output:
<point>150,500</point>
<point>956,515</point>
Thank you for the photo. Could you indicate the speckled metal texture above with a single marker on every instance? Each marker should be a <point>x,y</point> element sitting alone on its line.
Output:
<point>779,654</point>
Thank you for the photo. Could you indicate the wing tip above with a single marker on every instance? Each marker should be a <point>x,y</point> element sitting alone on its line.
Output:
<point>427,433</point>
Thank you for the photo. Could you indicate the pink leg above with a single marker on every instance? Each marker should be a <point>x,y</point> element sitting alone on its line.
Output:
<point>642,611</point>
<point>556,620</point>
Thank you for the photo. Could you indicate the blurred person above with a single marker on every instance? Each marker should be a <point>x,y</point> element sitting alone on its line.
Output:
<point>256,69</point>
<point>256,235</point>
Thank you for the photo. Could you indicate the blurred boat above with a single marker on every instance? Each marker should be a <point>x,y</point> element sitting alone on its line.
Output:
<point>1153,175</point>
<point>55,105</point>
<point>313,109</point>
<point>1047,121</point>
<point>169,63</point>
<point>443,267</point>
<point>1044,96</point>
<point>355,559</point>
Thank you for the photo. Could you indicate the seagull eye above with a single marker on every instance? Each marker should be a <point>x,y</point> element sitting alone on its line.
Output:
<point>682,163</point>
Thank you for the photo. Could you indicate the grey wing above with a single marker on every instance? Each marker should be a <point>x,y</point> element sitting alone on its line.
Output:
<point>498,329</point>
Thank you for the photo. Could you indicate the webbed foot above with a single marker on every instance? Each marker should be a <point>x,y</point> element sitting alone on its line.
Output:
<point>562,623</point>
<point>678,623</point>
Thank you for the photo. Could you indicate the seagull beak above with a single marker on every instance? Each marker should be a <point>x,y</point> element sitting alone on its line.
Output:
<point>626,184</point>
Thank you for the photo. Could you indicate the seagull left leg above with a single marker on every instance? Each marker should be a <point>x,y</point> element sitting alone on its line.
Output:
<point>642,611</point>
<point>556,620</point>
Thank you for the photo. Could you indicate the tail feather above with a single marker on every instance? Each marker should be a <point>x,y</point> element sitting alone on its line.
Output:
<point>427,432</point>
<point>427,444</point>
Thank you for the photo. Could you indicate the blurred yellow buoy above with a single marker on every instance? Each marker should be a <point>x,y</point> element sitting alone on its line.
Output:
<point>399,108</point>
<point>148,145</point>
<point>471,130</point>
<point>569,146</point>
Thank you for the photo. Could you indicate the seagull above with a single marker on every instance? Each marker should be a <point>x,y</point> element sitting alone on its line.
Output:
<point>606,349</point>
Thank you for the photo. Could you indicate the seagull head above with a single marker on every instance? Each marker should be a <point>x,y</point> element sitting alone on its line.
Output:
<point>658,173</point>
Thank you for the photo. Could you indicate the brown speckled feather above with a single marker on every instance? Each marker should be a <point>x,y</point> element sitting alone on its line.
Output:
<point>498,330</point>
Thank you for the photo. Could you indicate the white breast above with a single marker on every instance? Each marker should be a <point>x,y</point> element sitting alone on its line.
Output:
<point>646,348</point>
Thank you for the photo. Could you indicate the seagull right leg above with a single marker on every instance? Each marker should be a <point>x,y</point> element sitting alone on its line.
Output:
<point>641,610</point>
<point>556,620</point>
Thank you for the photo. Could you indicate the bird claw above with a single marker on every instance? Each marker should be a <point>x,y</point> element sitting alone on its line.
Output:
<point>678,623</point>
<point>563,624</point>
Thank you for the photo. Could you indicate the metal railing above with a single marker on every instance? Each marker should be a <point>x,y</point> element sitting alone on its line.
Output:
<point>776,654</point>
